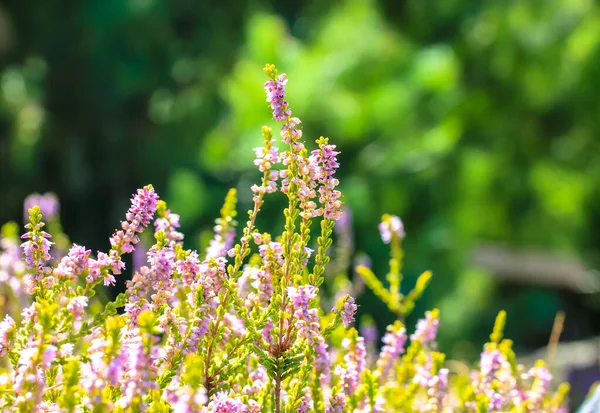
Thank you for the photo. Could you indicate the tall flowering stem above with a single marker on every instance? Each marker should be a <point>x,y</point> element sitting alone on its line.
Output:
<point>294,185</point>
<point>304,174</point>
<point>36,250</point>
<point>392,232</point>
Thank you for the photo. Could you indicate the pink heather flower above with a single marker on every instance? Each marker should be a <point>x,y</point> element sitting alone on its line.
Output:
<point>443,380</point>
<point>307,402</point>
<point>138,217</point>
<point>184,398</point>
<point>379,405</point>
<point>355,361</point>
<point>291,134</point>
<point>257,237</point>
<point>496,402</point>
<point>77,305</point>
<point>308,252</point>
<point>143,206</point>
<point>491,362</point>
<point>72,265</point>
<point>275,90</point>
<point>198,328</point>
<point>37,249</point>
<point>422,374</point>
<point>29,380</point>
<point>97,373</point>
<point>426,330</point>
<point>394,340</point>
<point>337,402</point>
<point>272,248</point>
<point>391,226</point>
<point>307,319</point>
<point>494,368</point>
<point>50,353</point>
<point>116,369</point>
<point>540,386</point>
<point>305,183</point>
<point>258,380</point>
<point>301,296</point>
<point>322,363</point>
<point>222,402</point>
<point>37,252</point>
<point>266,157</point>
<point>212,276</point>
<point>66,350</point>
<point>266,332</point>
<point>28,314</point>
<point>99,269</point>
<point>271,258</point>
<point>348,311</point>
<point>138,380</point>
<point>157,278</point>
<point>46,407</point>
<point>169,224</point>
<point>436,386</point>
<point>189,267</point>
<point>7,328</point>
<point>325,158</point>
<point>233,325</point>
<point>262,285</point>
<point>48,203</point>
<point>162,263</point>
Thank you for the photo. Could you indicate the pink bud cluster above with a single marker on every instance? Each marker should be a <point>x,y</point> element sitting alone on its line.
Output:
<point>329,197</point>
<point>348,311</point>
<point>73,265</point>
<point>307,319</point>
<point>275,90</point>
<point>336,403</point>
<point>169,223</point>
<point>391,226</point>
<point>138,217</point>
<point>426,330</point>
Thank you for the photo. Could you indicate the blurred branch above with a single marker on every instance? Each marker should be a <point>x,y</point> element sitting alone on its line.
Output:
<point>557,329</point>
<point>536,267</point>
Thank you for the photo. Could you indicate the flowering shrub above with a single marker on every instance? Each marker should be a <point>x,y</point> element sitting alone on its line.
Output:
<point>238,328</point>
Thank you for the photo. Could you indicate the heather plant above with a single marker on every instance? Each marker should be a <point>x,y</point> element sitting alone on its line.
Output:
<point>242,326</point>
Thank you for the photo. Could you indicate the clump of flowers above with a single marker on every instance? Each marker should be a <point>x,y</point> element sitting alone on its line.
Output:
<point>240,327</point>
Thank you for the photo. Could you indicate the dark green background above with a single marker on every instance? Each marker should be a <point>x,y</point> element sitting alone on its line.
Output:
<point>475,121</point>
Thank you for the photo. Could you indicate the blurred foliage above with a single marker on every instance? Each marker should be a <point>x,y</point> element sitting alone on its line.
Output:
<point>475,121</point>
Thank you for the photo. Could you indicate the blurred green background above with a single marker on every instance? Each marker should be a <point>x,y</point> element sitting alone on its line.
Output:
<point>475,121</point>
